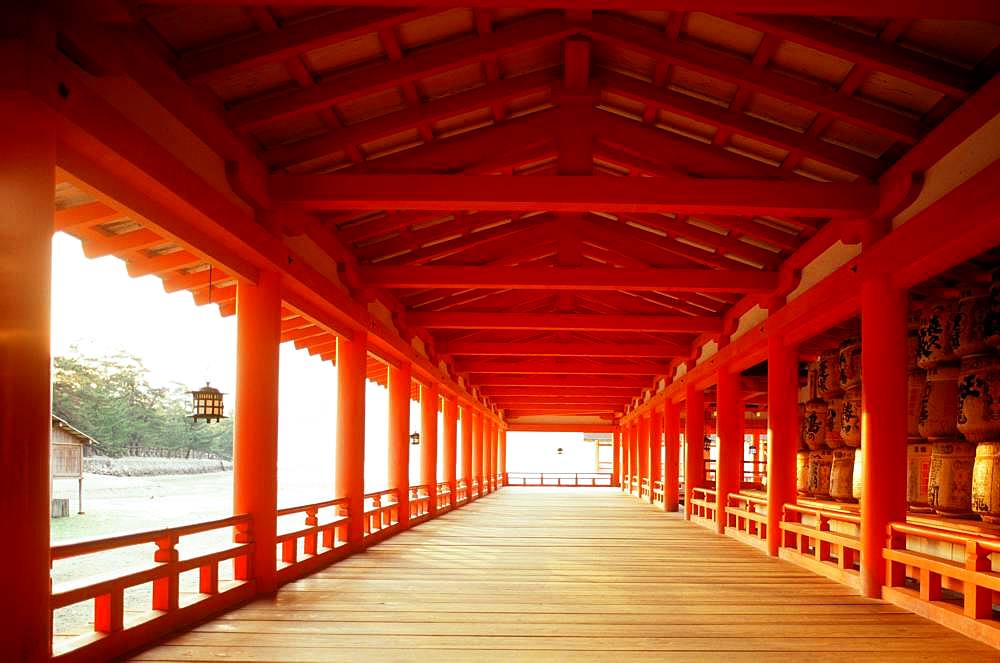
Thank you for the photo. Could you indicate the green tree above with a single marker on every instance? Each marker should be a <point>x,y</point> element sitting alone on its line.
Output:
<point>112,400</point>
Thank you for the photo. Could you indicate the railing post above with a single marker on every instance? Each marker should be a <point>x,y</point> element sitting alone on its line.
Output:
<point>27,183</point>
<point>978,600</point>
<point>255,425</point>
<point>350,473</point>
<point>400,386</point>
<point>166,591</point>
<point>694,450</point>
<point>883,421</point>
<point>782,435</point>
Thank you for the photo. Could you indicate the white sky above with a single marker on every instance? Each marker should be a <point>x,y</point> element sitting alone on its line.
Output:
<point>97,306</point>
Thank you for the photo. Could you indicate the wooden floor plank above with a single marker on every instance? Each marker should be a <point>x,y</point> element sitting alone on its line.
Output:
<point>558,575</point>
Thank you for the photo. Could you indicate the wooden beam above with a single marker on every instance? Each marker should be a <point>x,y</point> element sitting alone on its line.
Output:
<point>738,71</point>
<point>576,194</point>
<point>660,349</point>
<point>621,382</point>
<point>964,9</point>
<point>557,427</point>
<point>577,367</point>
<point>364,81</point>
<point>575,278</point>
<point>538,401</point>
<point>257,50</point>
<point>565,322</point>
<point>499,393</point>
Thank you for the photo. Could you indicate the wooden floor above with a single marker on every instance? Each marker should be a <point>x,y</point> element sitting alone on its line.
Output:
<point>566,575</point>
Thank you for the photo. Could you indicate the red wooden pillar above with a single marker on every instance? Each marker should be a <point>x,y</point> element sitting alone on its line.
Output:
<point>672,450</point>
<point>255,426</point>
<point>729,470</point>
<point>616,463</point>
<point>400,385</point>
<point>883,421</point>
<point>694,435</point>
<point>27,183</point>
<point>634,452</point>
<point>487,436</point>
<point>467,449</point>
<point>644,452</point>
<point>450,443</point>
<point>503,456</point>
<point>782,434</point>
<point>429,441</point>
<point>494,446</point>
<point>655,449</point>
<point>477,449</point>
<point>350,476</point>
<point>626,433</point>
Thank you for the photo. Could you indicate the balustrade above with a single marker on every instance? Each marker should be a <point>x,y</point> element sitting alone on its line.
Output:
<point>322,538</point>
<point>564,479</point>
<point>444,497</point>
<point>746,519</point>
<point>825,541</point>
<point>703,506</point>
<point>420,501</point>
<point>381,512</point>
<point>658,493</point>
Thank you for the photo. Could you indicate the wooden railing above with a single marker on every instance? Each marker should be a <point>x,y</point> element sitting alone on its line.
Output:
<point>824,541</point>
<point>475,488</point>
<point>444,496</point>
<point>703,505</point>
<point>658,496</point>
<point>322,537</point>
<point>959,594</point>
<point>746,519</point>
<point>461,492</point>
<point>113,635</point>
<point>565,479</point>
<point>635,486</point>
<point>381,512</point>
<point>420,501</point>
<point>644,492</point>
<point>626,482</point>
<point>753,474</point>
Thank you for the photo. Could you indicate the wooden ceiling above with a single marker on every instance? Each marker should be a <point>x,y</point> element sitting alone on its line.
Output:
<point>667,164</point>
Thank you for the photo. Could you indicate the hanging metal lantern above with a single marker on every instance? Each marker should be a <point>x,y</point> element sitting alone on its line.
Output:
<point>708,443</point>
<point>559,451</point>
<point>207,404</point>
<point>752,449</point>
<point>415,439</point>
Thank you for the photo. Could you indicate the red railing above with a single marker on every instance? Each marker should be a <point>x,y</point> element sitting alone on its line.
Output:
<point>323,534</point>
<point>112,634</point>
<point>475,488</point>
<point>381,512</point>
<point>956,593</point>
<point>658,496</point>
<point>420,501</point>
<point>746,519</point>
<point>461,492</point>
<point>807,538</point>
<point>644,491</point>
<point>634,486</point>
<point>754,474</point>
<point>444,497</point>
<point>703,505</point>
<point>565,479</point>
<point>626,482</point>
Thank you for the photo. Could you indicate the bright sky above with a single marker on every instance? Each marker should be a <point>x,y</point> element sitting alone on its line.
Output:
<point>97,306</point>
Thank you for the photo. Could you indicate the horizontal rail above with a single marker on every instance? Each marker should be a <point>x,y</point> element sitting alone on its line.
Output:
<point>565,479</point>
<point>744,516</point>
<point>703,503</point>
<point>101,544</point>
<point>835,553</point>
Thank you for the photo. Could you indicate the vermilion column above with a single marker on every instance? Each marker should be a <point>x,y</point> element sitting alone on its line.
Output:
<point>782,434</point>
<point>429,441</point>
<point>467,449</point>
<point>626,433</point>
<point>694,435</point>
<point>494,446</point>
<point>350,477</point>
<point>400,384</point>
<point>634,451</point>
<point>477,449</point>
<point>487,435</point>
<point>255,426</point>
<point>616,463</point>
<point>883,421</point>
<point>655,449</point>
<point>503,456</point>
<point>450,443</point>
<point>643,451</point>
<point>27,184</point>
<point>729,469</point>
<point>672,450</point>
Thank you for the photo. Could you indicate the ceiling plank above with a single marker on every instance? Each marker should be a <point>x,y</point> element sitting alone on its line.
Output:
<point>576,194</point>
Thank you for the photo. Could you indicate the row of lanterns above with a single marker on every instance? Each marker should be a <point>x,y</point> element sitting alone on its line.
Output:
<point>953,454</point>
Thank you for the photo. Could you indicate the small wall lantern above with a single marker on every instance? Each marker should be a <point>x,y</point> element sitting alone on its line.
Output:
<point>415,439</point>
<point>559,451</point>
<point>207,404</point>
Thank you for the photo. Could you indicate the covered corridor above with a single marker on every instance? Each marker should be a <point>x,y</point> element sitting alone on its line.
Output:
<point>565,574</point>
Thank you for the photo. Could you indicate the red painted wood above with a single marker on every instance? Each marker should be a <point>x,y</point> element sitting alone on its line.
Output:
<point>429,440</point>
<point>659,349</point>
<point>782,434</point>
<point>655,449</point>
<point>350,468</point>
<point>400,386</point>
<point>616,460</point>
<point>450,439</point>
<point>478,424</point>
<point>467,433</point>
<point>672,449</point>
<point>729,470</point>
<point>694,433</point>
<point>255,425</point>
<point>27,182</point>
<point>563,322</point>
<point>883,420</point>
<point>575,194</point>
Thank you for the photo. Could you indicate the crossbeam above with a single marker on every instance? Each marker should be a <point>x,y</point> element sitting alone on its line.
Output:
<point>572,278</point>
<point>576,194</point>
<point>564,322</point>
<point>491,379</point>
<point>538,366</point>
<point>561,349</point>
